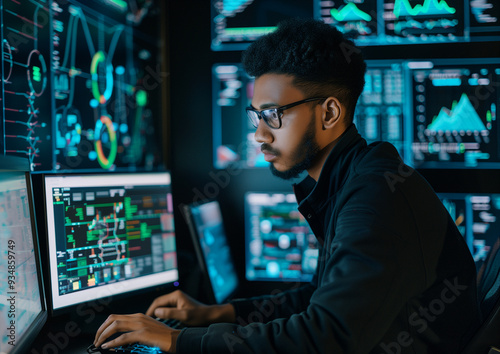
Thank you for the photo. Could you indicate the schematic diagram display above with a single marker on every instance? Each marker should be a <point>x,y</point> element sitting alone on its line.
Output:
<point>279,244</point>
<point>106,235</point>
<point>380,111</point>
<point>26,127</point>
<point>455,114</point>
<point>106,99</point>
<point>385,22</point>
<point>236,23</point>
<point>82,84</point>
<point>478,218</point>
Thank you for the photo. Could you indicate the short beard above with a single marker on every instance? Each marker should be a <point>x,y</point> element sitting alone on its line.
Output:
<point>308,148</point>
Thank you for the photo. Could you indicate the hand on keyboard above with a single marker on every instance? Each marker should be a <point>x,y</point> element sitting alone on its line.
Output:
<point>138,328</point>
<point>180,306</point>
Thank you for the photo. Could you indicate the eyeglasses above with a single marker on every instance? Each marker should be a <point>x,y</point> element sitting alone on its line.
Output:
<point>272,116</point>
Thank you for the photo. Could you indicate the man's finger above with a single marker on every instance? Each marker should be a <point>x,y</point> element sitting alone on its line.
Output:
<point>165,300</point>
<point>170,313</point>
<point>125,338</point>
<point>117,323</point>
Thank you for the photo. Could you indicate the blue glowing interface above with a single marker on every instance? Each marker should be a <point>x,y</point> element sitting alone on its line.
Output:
<point>279,243</point>
<point>81,85</point>
<point>233,134</point>
<point>385,22</point>
<point>214,252</point>
<point>379,114</point>
<point>237,23</point>
<point>477,216</point>
<point>455,113</point>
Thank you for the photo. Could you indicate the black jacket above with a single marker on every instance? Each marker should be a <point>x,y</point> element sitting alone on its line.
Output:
<point>394,274</point>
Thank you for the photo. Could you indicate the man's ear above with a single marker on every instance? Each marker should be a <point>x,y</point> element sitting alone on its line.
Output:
<point>334,112</point>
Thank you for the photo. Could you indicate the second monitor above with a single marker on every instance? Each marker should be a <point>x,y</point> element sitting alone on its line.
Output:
<point>280,246</point>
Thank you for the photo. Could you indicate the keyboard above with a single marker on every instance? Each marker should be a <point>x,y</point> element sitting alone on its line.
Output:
<point>137,348</point>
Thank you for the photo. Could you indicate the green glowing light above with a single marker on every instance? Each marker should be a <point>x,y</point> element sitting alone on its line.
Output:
<point>249,31</point>
<point>141,98</point>
<point>430,7</point>
<point>120,3</point>
<point>37,74</point>
<point>350,12</point>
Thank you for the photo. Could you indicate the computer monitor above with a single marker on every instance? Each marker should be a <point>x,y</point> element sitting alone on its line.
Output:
<point>82,84</point>
<point>279,244</point>
<point>454,111</point>
<point>477,216</point>
<point>383,22</point>
<point>22,302</point>
<point>237,23</point>
<point>108,235</point>
<point>212,249</point>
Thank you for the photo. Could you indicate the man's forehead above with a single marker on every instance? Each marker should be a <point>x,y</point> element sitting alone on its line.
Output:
<point>274,89</point>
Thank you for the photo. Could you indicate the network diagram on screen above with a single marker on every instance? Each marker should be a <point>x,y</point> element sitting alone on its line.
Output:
<point>80,89</point>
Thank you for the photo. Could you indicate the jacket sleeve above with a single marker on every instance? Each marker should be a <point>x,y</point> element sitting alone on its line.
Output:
<point>368,275</point>
<point>278,304</point>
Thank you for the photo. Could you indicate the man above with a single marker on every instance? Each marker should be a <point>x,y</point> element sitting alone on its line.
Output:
<point>394,274</point>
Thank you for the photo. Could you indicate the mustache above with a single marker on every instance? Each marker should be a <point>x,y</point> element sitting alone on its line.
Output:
<point>266,148</point>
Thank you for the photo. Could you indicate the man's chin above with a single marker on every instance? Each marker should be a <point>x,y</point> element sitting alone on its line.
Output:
<point>291,173</point>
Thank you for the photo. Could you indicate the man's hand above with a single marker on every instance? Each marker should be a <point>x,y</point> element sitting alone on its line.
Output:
<point>179,306</point>
<point>138,328</point>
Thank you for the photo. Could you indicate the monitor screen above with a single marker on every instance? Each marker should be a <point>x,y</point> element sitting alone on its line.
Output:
<point>210,241</point>
<point>454,113</point>
<point>236,23</point>
<point>384,22</point>
<point>477,216</point>
<point>379,114</point>
<point>82,84</point>
<point>233,134</point>
<point>279,244</point>
<point>22,305</point>
<point>108,235</point>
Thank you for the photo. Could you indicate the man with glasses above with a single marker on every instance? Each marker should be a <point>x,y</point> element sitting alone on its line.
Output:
<point>394,274</point>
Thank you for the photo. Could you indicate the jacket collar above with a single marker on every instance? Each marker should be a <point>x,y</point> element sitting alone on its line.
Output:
<point>311,195</point>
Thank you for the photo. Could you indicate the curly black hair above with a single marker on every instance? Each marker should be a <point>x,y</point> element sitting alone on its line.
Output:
<point>321,59</point>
